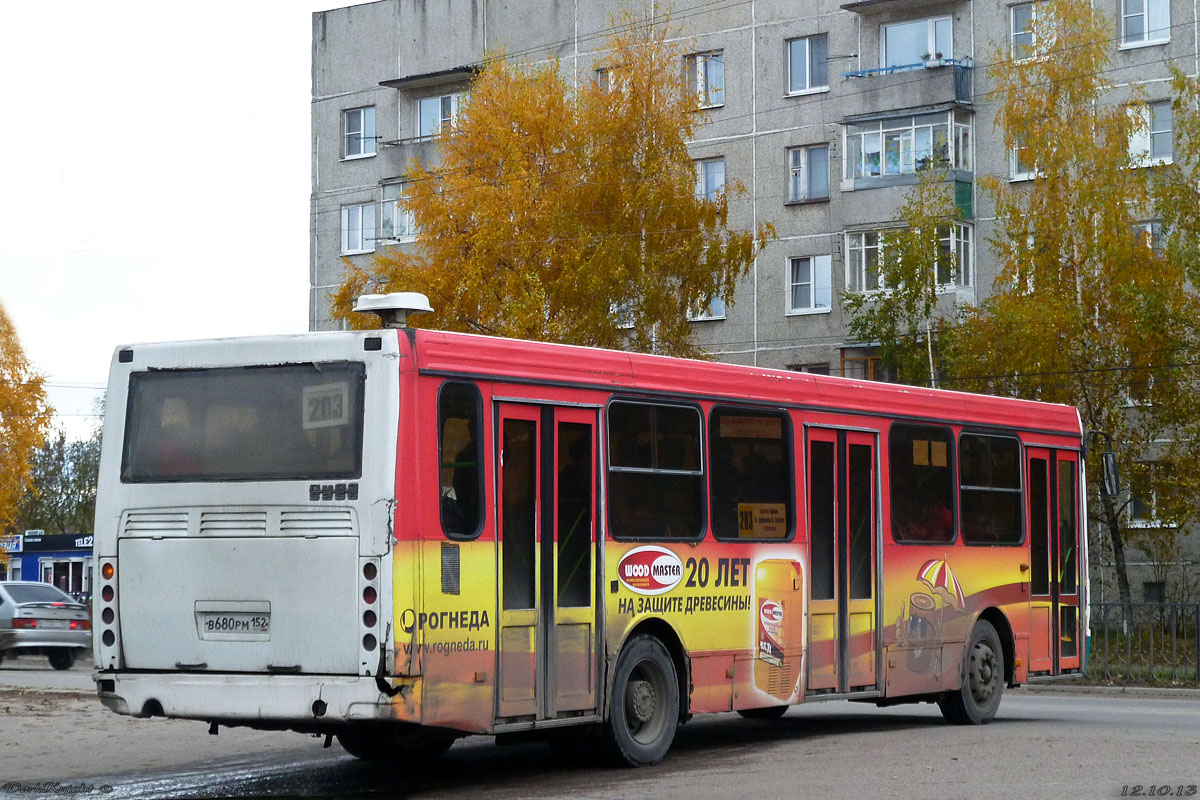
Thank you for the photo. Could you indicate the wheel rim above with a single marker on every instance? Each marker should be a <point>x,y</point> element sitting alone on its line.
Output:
<point>645,702</point>
<point>985,674</point>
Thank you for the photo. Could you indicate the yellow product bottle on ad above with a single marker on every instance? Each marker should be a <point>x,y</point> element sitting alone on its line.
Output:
<point>780,627</point>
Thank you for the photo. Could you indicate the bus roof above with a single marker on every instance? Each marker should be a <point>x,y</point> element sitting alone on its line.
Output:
<point>540,362</point>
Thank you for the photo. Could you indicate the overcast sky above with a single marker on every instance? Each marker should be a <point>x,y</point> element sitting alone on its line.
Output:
<point>154,177</point>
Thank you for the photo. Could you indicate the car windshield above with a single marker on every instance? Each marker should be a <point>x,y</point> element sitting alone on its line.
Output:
<point>36,593</point>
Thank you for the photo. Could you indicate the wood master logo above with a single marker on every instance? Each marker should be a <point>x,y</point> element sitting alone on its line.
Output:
<point>650,570</point>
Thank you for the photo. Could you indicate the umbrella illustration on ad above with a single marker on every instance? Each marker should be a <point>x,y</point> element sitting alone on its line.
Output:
<point>943,581</point>
<point>922,628</point>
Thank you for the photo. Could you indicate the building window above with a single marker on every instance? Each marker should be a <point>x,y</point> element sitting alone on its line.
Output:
<point>1154,592</point>
<point>1145,21</point>
<point>820,368</point>
<point>714,310</point>
<point>705,73</point>
<point>397,222</point>
<point>864,250</point>
<point>1143,506</point>
<point>358,228</point>
<point>1020,163</point>
<point>808,64</point>
<point>810,283</point>
<point>358,132</point>
<point>863,365</point>
<point>862,260</point>
<point>909,45</point>
<point>710,178</point>
<point>954,239</point>
<point>809,173</point>
<point>903,145</point>
<point>1150,233</point>
<point>435,114</point>
<point>1151,140</point>
<point>1021,18</point>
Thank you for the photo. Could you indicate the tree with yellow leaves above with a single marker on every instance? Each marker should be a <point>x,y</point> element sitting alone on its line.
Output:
<point>1087,309</point>
<point>570,213</point>
<point>24,420</point>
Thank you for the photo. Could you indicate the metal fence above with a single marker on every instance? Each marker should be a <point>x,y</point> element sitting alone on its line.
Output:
<point>1155,643</point>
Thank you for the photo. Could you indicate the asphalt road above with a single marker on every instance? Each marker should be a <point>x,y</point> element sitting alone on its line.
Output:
<point>1044,744</point>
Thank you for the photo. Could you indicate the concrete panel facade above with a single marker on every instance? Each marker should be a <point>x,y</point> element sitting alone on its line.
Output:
<point>422,47</point>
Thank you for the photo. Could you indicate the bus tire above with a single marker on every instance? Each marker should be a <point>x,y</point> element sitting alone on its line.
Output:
<point>768,712</point>
<point>977,700</point>
<point>644,706</point>
<point>61,658</point>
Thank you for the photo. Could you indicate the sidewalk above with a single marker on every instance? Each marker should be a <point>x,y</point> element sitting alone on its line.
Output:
<point>1070,687</point>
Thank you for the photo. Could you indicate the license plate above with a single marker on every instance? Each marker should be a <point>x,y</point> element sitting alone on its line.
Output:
<point>234,625</point>
<point>52,624</point>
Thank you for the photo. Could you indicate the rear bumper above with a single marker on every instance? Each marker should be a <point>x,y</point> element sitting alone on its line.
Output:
<point>302,702</point>
<point>25,638</point>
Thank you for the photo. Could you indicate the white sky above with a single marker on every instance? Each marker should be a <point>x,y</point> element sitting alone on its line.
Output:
<point>154,177</point>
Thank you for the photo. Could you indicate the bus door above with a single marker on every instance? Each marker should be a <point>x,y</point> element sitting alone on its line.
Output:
<point>1054,618</point>
<point>546,561</point>
<point>842,547</point>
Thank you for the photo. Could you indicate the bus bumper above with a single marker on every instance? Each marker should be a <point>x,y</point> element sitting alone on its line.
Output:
<point>301,702</point>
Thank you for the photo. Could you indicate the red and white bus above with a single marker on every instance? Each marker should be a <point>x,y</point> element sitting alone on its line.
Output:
<point>400,537</point>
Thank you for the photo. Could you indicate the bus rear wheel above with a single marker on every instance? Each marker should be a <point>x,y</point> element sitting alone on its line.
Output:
<point>977,700</point>
<point>644,707</point>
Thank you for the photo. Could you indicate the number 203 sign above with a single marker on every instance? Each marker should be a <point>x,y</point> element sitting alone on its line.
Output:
<point>326,405</point>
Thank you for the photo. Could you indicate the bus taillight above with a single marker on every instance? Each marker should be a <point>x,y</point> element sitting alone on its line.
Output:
<point>369,595</point>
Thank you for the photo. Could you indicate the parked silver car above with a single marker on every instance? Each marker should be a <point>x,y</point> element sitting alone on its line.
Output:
<point>39,618</point>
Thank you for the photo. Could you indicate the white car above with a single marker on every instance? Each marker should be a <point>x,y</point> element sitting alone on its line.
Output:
<point>39,618</point>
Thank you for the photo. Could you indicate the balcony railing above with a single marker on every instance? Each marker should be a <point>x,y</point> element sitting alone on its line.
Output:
<point>962,73</point>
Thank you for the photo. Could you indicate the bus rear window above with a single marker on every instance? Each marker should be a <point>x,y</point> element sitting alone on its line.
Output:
<point>286,422</point>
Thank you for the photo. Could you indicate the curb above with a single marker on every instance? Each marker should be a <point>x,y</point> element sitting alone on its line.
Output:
<point>1112,691</point>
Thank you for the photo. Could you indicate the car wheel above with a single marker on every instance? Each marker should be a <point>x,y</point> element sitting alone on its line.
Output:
<point>62,658</point>
<point>644,706</point>
<point>977,700</point>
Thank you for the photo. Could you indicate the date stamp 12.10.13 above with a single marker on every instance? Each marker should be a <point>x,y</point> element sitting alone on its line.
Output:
<point>1159,790</point>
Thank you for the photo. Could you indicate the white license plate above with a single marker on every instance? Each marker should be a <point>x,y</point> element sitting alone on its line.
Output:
<point>52,624</point>
<point>234,625</point>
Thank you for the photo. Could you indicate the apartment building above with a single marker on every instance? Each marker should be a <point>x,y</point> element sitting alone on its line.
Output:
<point>823,110</point>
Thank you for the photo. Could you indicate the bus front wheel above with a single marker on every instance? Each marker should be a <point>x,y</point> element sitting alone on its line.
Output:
<point>644,707</point>
<point>976,701</point>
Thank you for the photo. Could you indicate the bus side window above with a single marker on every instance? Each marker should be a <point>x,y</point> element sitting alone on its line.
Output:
<point>751,474</point>
<point>920,470</point>
<point>460,456</point>
<point>990,489</point>
<point>655,477</point>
